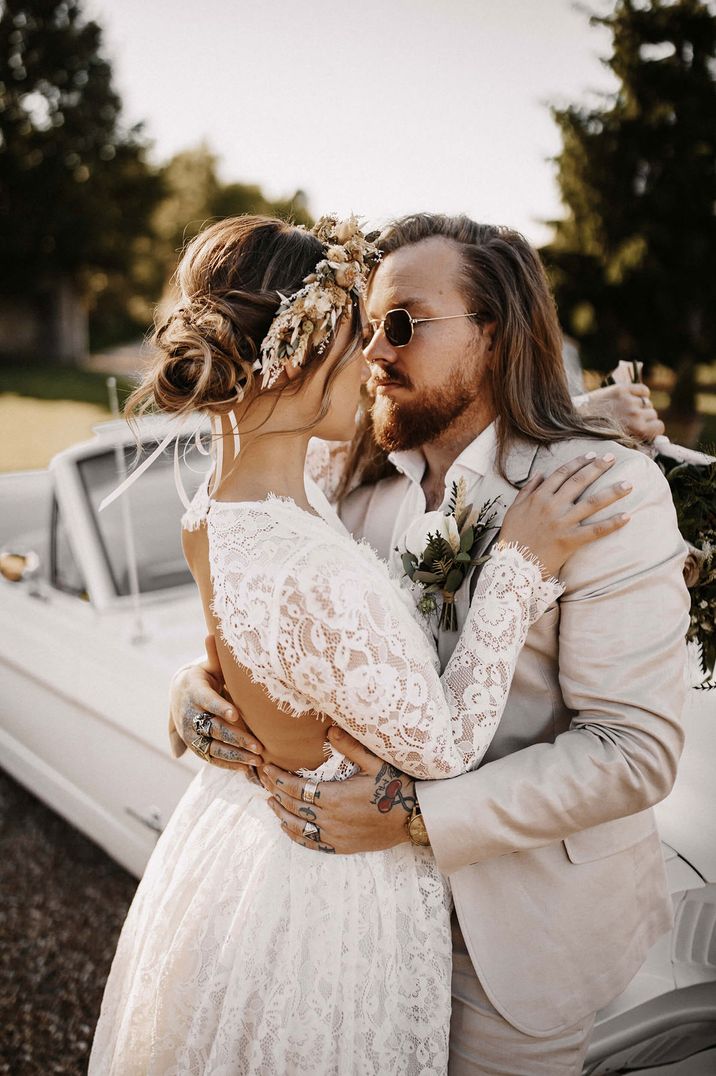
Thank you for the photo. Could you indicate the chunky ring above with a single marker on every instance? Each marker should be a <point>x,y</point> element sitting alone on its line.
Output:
<point>311,831</point>
<point>202,744</point>
<point>202,724</point>
<point>308,792</point>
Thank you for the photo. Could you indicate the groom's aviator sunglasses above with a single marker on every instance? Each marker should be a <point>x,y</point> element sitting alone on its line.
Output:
<point>398,325</point>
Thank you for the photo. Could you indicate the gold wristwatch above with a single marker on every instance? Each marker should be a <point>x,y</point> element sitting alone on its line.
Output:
<point>416,827</point>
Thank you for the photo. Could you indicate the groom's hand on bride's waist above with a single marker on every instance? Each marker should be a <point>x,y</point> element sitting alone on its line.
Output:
<point>365,813</point>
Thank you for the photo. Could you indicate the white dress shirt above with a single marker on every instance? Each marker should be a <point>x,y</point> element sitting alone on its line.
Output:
<point>382,513</point>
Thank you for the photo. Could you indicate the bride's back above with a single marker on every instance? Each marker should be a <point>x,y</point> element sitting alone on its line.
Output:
<point>290,742</point>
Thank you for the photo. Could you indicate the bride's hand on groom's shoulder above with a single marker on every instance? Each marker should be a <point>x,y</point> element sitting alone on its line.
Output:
<point>365,813</point>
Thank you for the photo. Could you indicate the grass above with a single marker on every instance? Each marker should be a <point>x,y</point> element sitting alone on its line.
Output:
<point>49,381</point>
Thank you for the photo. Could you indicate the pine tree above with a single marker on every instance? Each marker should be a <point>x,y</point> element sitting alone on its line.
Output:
<point>631,262</point>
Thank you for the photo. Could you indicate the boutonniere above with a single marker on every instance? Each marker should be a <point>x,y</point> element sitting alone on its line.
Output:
<point>440,549</point>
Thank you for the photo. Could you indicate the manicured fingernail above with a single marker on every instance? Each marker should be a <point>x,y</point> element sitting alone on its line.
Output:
<point>624,517</point>
<point>626,485</point>
<point>590,455</point>
<point>230,714</point>
<point>609,458</point>
<point>254,748</point>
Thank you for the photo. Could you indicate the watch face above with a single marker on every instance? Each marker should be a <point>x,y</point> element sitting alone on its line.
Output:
<point>418,832</point>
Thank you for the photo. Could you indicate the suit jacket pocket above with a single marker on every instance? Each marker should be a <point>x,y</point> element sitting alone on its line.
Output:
<point>610,837</point>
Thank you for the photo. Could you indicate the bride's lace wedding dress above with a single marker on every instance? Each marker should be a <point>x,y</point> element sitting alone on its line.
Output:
<point>245,953</point>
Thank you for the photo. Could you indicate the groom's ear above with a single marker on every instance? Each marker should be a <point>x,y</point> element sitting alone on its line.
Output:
<point>488,328</point>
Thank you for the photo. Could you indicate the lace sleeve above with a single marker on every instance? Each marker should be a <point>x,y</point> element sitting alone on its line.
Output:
<point>320,623</point>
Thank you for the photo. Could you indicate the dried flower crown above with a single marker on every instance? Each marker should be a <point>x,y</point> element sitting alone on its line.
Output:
<point>308,318</point>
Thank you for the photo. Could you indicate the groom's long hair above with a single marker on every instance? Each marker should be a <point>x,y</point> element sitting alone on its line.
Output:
<point>504,280</point>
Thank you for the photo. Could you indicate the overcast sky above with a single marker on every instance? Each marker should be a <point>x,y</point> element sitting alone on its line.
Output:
<point>376,106</point>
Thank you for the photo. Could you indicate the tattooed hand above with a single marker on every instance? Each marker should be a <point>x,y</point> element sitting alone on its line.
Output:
<point>389,790</point>
<point>366,813</point>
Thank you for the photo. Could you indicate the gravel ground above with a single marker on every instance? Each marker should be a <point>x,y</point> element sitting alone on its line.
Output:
<point>62,904</point>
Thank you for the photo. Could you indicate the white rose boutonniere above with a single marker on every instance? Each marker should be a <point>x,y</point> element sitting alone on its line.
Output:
<point>439,550</point>
<point>432,523</point>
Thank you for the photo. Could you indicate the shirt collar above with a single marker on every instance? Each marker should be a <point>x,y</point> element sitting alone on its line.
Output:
<point>477,458</point>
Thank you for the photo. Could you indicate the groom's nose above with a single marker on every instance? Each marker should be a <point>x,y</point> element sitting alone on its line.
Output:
<point>380,351</point>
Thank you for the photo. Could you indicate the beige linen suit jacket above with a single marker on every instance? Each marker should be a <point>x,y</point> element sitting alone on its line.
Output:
<point>550,846</point>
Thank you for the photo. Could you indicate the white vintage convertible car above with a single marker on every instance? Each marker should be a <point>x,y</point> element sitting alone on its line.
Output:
<point>85,665</point>
<point>90,635</point>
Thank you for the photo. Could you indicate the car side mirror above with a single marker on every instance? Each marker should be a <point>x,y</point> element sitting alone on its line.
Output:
<point>16,567</point>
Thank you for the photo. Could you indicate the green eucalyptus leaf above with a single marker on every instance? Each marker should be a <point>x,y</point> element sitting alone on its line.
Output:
<point>467,539</point>
<point>426,577</point>
<point>454,580</point>
<point>409,563</point>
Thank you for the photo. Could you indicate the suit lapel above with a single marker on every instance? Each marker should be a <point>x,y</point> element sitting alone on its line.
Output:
<point>518,465</point>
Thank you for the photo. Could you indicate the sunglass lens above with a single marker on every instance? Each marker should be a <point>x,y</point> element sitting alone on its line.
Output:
<point>398,327</point>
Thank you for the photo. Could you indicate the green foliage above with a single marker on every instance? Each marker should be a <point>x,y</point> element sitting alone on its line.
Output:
<point>79,200</point>
<point>75,189</point>
<point>48,381</point>
<point>694,490</point>
<point>631,260</point>
<point>195,196</point>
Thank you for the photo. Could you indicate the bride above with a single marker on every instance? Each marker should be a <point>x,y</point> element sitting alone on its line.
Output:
<point>243,952</point>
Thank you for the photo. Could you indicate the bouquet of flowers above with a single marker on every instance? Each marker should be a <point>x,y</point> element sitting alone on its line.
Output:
<point>692,477</point>
<point>441,548</point>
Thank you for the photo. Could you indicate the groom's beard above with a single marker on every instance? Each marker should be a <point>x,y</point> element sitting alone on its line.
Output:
<point>421,419</point>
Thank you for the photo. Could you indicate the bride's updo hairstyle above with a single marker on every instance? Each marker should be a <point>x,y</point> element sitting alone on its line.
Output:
<point>231,278</point>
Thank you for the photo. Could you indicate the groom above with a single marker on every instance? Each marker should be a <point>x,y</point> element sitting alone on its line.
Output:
<point>550,846</point>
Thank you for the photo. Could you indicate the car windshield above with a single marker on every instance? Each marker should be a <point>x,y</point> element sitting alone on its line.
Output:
<point>154,510</point>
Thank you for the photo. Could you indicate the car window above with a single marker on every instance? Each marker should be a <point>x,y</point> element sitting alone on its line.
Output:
<point>154,510</point>
<point>65,572</point>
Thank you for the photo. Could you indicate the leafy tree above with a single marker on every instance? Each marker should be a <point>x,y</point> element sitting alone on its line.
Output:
<point>194,195</point>
<point>76,192</point>
<point>631,262</point>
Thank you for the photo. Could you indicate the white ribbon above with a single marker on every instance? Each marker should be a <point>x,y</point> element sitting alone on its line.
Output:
<point>218,438</point>
<point>178,478</point>
<point>235,428</point>
<point>139,471</point>
<point>218,441</point>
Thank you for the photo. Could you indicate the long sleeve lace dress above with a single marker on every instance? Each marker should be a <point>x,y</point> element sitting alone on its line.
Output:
<point>245,953</point>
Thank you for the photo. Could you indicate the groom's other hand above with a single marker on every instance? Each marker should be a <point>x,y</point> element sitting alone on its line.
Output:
<point>365,813</point>
<point>197,689</point>
<point>630,405</point>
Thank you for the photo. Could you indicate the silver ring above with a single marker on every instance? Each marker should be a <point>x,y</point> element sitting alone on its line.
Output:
<point>202,724</point>
<point>202,744</point>
<point>311,831</point>
<point>308,792</point>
